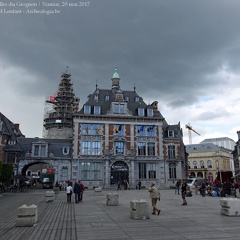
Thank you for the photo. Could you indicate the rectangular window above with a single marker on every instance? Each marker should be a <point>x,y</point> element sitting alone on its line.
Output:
<point>40,150</point>
<point>96,170</point>
<point>172,170</point>
<point>151,149</point>
<point>150,112</point>
<point>150,131</point>
<point>145,130</point>
<point>97,109</point>
<point>96,148</point>
<point>85,170</point>
<point>119,147</point>
<point>141,112</point>
<point>171,152</point>
<point>141,146</point>
<point>151,170</point>
<point>91,148</point>
<point>142,171</point>
<point>91,129</point>
<point>170,133</point>
<point>86,148</point>
<point>87,109</point>
<point>64,174</point>
<point>118,108</point>
<point>119,130</point>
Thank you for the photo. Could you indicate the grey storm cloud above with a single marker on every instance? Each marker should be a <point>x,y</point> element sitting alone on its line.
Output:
<point>169,46</point>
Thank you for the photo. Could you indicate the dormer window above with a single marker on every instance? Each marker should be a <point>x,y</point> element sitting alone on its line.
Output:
<point>97,109</point>
<point>150,112</point>
<point>170,133</point>
<point>118,108</point>
<point>136,99</point>
<point>141,112</point>
<point>96,98</point>
<point>107,98</point>
<point>127,98</point>
<point>87,109</point>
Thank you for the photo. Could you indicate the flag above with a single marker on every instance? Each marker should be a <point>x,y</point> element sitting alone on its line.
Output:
<point>141,129</point>
<point>119,128</point>
<point>87,130</point>
<point>98,131</point>
<point>52,98</point>
<point>150,129</point>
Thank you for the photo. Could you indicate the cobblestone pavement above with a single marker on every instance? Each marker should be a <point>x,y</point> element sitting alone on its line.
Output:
<point>93,219</point>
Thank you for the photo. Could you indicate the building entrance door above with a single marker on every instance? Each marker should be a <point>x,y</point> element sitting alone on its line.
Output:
<point>119,172</point>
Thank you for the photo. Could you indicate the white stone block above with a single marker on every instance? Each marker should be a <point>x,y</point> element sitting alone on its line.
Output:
<point>230,206</point>
<point>27,215</point>
<point>49,196</point>
<point>112,199</point>
<point>139,209</point>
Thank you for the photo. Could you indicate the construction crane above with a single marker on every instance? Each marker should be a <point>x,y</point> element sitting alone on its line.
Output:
<point>190,129</point>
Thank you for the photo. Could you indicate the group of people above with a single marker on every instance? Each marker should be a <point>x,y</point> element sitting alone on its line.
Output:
<point>77,189</point>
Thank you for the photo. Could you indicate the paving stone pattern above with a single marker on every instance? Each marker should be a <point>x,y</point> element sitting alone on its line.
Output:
<point>93,219</point>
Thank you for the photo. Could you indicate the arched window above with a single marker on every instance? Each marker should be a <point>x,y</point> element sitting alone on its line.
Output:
<point>202,164</point>
<point>209,164</point>
<point>195,164</point>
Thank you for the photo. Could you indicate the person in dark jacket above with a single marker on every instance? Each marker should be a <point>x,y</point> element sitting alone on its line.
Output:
<point>184,192</point>
<point>77,191</point>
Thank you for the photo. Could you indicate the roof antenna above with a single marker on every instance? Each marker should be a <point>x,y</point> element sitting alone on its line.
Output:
<point>134,87</point>
<point>96,84</point>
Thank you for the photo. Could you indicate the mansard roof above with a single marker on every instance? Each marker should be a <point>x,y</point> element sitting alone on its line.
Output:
<point>105,97</point>
<point>55,146</point>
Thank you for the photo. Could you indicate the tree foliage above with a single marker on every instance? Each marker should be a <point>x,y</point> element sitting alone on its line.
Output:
<point>6,172</point>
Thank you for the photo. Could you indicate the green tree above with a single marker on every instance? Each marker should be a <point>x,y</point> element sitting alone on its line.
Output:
<point>6,172</point>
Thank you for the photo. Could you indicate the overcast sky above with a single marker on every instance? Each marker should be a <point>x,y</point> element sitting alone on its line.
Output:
<point>183,54</point>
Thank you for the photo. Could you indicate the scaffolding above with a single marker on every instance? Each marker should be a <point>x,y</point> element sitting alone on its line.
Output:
<point>59,109</point>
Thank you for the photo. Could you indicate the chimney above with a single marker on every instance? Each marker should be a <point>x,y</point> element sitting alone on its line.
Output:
<point>16,126</point>
<point>238,133</point>
<point>155,107</point>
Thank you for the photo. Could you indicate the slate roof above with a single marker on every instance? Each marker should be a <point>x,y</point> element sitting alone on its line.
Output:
<point>206,147</point>
<point>9,128</point>
<point>55,146</point>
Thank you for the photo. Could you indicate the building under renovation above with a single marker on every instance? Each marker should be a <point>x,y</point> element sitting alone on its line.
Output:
<point>59,109</point>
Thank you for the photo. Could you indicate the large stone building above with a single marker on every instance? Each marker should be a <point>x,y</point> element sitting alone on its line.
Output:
<point>207,159</point>
<point>117,137</point>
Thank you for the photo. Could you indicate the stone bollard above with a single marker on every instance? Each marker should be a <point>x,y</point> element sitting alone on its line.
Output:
<point>139,209</point>
<point>112,199</point>
<point>230,206</point>
<point>97,191</point>
<point>49,196</point>
<point>27,216</point>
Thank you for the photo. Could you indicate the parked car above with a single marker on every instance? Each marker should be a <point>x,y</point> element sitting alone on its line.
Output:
<point>47,183</point>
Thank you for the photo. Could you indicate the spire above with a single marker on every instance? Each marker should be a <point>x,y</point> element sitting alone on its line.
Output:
<point>115,75</point>
<point>115,79</point>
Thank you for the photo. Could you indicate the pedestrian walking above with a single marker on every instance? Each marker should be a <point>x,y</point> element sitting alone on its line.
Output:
<point>77,190</point>
<point>69,192</point>
<point>184,192</point>
<point>82,188</point>
<point>155,196</point>
<point>118,186</point>
<point>177,186</point>
<point>139,185</point>
<point>203,189</point>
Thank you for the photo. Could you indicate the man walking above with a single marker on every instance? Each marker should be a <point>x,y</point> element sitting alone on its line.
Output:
<point>154,195</point>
